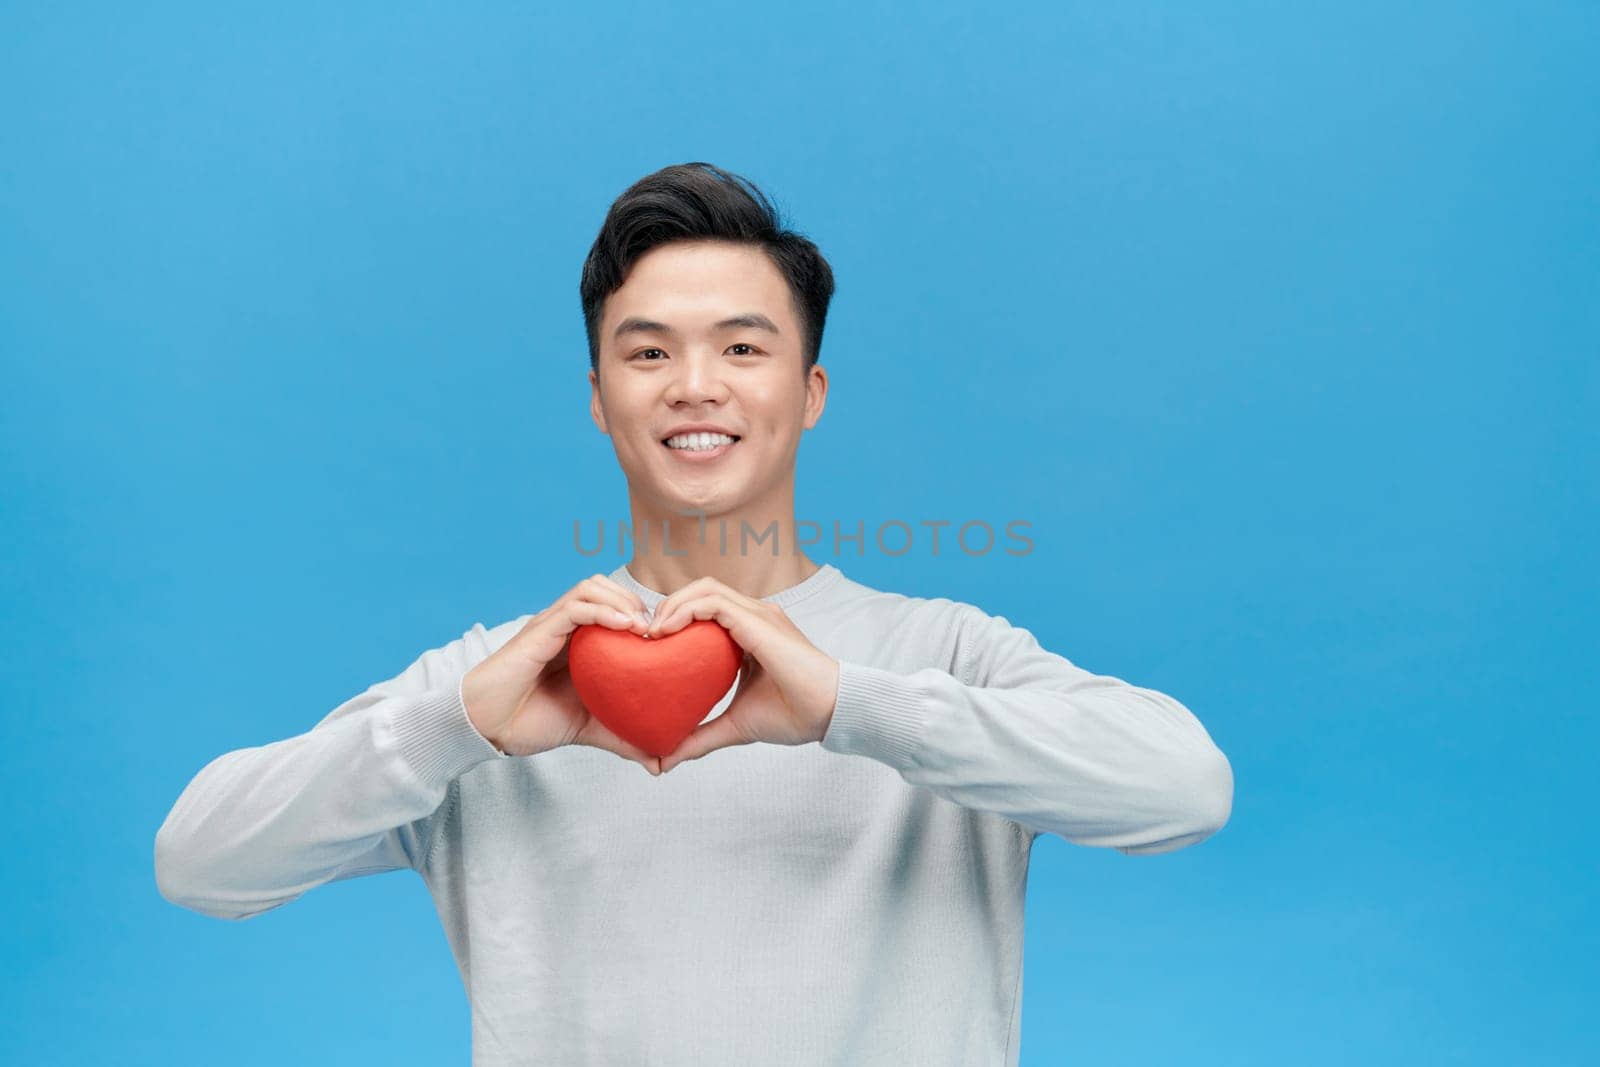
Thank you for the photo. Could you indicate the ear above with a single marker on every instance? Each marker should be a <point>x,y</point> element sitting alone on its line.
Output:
<point>597,411</point>
<point>816,395</point>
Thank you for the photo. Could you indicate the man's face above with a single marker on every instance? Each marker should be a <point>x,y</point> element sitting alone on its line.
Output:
<point>705,332</point>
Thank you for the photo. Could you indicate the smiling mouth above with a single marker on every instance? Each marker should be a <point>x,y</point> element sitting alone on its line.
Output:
<point>709,448</point>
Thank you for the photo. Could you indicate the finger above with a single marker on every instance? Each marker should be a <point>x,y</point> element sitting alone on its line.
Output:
<point>705,606</point>
<point>602,590</point>
<point>594,613</point>
<point>701,586</point>
<point>590,613</point>
<point>743,623</point>
<point>555,623</point>
<point>600,587</point>
<point>547,637</point>
<point>693,589</point>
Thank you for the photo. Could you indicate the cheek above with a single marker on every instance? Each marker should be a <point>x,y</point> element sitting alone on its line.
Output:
<point>778,413</point>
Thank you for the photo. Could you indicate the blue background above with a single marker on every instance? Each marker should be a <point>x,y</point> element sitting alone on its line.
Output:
<point>1279,326</point>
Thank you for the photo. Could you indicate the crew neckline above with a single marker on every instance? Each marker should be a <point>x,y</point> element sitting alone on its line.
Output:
<point>818,580</point>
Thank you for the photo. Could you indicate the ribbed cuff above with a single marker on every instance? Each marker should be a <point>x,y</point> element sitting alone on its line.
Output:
<point>437,739</point>
<point>877,713</point>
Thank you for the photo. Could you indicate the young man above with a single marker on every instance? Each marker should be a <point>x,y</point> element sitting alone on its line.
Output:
<point>842,881</point>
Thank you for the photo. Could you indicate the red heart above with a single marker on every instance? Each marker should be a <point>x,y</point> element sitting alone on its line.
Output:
<point>653,691</point>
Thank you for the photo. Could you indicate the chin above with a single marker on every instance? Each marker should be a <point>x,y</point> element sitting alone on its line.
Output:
<point>709,507</point>
<point>672,500</point>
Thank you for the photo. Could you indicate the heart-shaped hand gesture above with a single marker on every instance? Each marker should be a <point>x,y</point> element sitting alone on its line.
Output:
<point>787,686</point>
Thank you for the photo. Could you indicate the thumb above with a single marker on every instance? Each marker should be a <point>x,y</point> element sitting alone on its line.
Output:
<point>596,734</point>
<point>721,732</point>
<point>707,737</point>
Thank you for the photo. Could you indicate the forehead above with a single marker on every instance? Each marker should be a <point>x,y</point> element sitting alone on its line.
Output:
<point>690,284</point>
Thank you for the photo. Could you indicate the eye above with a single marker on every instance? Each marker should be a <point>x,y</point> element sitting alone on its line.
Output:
<point>641,352</point>
<point>741,344</point>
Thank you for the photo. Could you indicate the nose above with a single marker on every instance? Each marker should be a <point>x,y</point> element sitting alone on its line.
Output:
<point>696,378</point>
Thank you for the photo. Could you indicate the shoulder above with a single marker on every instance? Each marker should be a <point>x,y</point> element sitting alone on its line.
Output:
<point>908,607</point>
<point>948,631</point>
<point>885,606</point>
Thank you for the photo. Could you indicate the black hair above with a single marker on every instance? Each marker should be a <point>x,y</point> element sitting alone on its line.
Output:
<point>697,201</point>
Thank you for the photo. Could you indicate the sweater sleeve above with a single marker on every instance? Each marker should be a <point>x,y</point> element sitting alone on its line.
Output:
<point>354,795</point>
<point>1027,734</point>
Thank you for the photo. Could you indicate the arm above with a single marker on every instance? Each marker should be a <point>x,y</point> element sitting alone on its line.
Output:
<point>1045,743</point>
<point>259,827</point>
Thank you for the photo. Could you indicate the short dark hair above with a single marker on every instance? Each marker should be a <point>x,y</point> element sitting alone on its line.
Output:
<point>697,201</point>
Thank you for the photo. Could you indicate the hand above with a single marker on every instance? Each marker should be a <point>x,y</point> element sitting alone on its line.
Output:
<point>522,698</point>
<point>787,686</point>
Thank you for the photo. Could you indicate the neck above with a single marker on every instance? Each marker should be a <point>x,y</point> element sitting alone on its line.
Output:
<point>752,551</point>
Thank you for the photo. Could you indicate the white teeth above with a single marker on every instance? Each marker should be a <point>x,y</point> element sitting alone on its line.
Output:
<point>699,442</point>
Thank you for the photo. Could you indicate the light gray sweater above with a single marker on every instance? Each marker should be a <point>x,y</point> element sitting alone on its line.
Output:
<point>853,902</point>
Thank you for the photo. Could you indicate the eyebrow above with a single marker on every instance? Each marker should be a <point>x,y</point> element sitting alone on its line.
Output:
<point>752,320</point>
